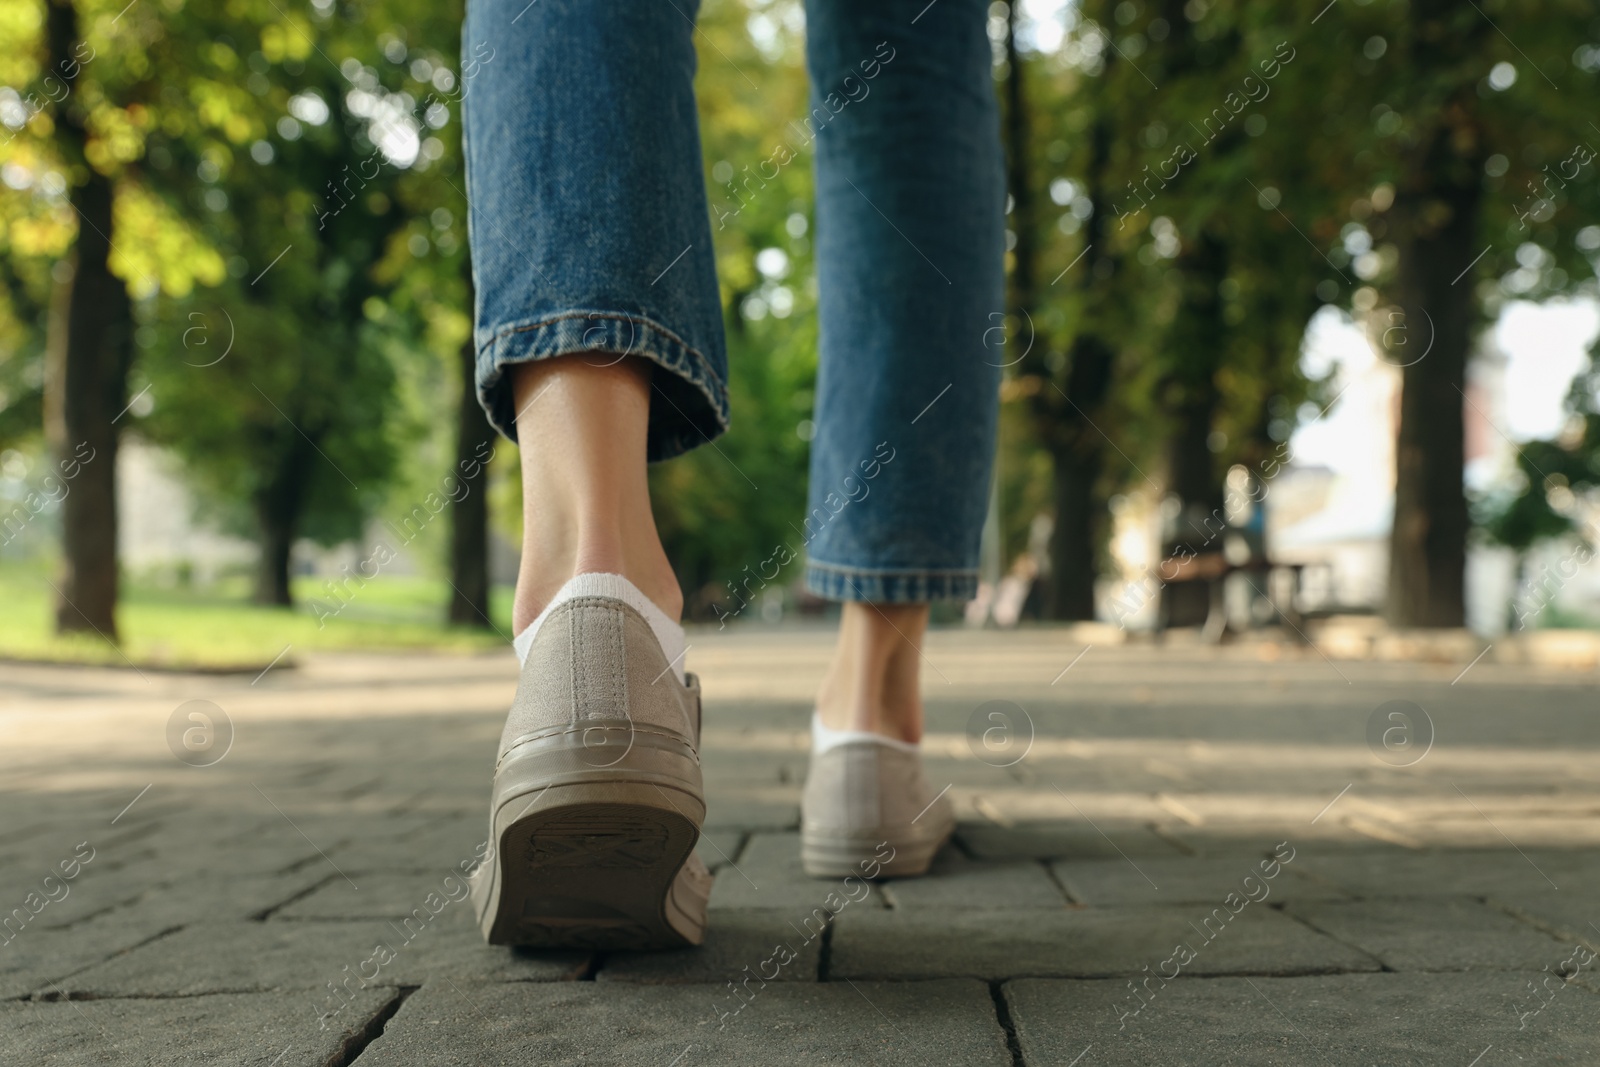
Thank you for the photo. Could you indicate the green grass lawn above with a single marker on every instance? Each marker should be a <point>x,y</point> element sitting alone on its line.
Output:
<point>218,627</point>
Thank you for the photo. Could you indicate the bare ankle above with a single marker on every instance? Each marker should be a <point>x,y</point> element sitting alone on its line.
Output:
<point>872,683</point>
<point>581,426</point>
<point>537,585</point>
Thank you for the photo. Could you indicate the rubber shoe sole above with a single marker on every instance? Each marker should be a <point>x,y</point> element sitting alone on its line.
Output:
<point>892,853</point>
<point>594,835</point>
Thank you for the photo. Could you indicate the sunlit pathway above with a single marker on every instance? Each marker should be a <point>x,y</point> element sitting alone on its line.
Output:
<point>1175,855</point>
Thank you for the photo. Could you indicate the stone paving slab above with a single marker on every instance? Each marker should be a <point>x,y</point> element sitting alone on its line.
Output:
<point>435,845</point>
<point>787,769</point>
<point>1571,917</point>
<point>1059,841</point>
<point>208,897</point>
<point>718,847</point>
<point>766,944</point>
<point>768,875</point>
<point>728,810</point>
<point>1393,1020</point>
<point>39,957</point>
<point>259,957</point>
<point>1174,764</point>
<point>1189,880</point>
<point>1324,839</point>
<point>1435,934</point>
<point>913,1023</point>
<point>1081,942</point>
<point>375,895</point>
<point>955,882</point>
<point>1477,872</point>
<point>166,857</point>
<point>264,1030</point>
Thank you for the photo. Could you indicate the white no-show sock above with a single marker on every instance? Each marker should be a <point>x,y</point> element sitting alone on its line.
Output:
<point>615,586</point>
<point>823,738</point>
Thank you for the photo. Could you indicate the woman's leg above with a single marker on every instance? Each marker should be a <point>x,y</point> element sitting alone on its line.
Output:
<point>599,336</point>
<point>598,321</point>
<point>909,230</point>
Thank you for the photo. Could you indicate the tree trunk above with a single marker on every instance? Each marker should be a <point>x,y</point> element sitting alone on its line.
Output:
<point>469,519</point>
<point>1192,480</point>
<point>1061,427</point>
<point>89,350</point>
<point>277,543</point>
<point>1069,592</point>
<point>1077,447</point>
<point>1192,476</point>
<point>1077,453</point>
<point>279,505</point>
<point>1434,221</point>
<point>1064,417</point>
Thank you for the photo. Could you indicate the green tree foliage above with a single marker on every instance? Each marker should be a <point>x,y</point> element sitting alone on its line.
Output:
<point>1184,289</point>
<point>1191,181</point>
<point>723,511</point>
<point>1269,160</point>
<point>1461,140</point>
<point>293,148</point>
<point>301,179</point>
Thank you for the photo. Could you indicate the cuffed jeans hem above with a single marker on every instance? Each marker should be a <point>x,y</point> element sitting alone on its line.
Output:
<point>889,587</point>
<point>688,405</point>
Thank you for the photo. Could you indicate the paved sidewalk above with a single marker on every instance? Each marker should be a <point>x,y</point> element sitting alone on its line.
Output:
<point>1166,855</point>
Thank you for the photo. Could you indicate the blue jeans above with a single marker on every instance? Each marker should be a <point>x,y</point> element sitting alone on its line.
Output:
<point>590,232</point>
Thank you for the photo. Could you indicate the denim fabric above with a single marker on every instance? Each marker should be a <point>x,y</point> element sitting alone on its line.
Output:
<point>590,232</point>
<point>588,221</point>
<point>910,251</point>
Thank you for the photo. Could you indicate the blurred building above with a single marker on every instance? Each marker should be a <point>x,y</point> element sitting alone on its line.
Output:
<point>1331,505</point>
<point>157,535</point>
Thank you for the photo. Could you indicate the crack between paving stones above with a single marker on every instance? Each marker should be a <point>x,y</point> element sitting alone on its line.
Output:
<point>1309,925</point>
<point>825,949</point>
<point>308,861</point>
<point>355,1044</point>
<point>85,995</point>
<point>1176,842</point>
<point>1066,894</point>
<point>1002,1015</point>
<point>266,913</point>
<point>1555,930</point>
<point>1119,976</point>
<point>169,931</point>
<point>91,916</point>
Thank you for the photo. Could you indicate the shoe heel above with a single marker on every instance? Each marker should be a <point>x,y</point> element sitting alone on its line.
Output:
<point>599,858</point>
<point>825,855</point>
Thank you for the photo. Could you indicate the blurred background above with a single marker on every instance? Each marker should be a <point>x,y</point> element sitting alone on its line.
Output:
<point>1302,324</point>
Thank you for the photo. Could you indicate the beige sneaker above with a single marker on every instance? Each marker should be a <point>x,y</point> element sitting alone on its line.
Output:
<point>597,800</point>
<point>868,810</point>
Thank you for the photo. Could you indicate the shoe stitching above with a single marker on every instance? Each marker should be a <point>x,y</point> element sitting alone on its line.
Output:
<point>572,661</point>
<point>527,739</point>
<point>619,675</point>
